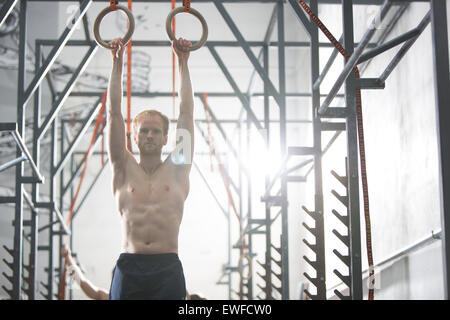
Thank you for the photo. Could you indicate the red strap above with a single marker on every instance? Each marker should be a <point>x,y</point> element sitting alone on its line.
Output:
<point>173,63</point>
<point>129,144</point>
<point>113,3</point>
<point>362,153</point>
<point>187,5</point>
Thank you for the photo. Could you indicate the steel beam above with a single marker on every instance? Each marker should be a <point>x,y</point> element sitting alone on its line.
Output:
<point>58,104</point>
<point>442,100</point>
<point>17,265</point>
<point>356,290</point>
<point>54,53</point>
<point>353,60</point>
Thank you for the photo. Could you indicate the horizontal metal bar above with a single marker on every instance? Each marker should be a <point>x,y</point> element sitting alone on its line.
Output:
<point>388,45</point>
<point>369,83</point>
<point>32,179</point>
<point>352,61</point>
<point>332,126</point>
<point>197,94</point>
<point>12,163</point>
<point>335,112</point>
<point>24,149</point>
<point>401,253</point>
<point>8,126</point>
<point>164,43</point>
<point>7,199</point>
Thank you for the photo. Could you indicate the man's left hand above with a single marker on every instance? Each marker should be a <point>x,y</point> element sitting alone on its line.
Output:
<point>181,48</point>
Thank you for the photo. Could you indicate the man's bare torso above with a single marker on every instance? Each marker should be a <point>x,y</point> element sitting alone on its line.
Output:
<point>151,207</point>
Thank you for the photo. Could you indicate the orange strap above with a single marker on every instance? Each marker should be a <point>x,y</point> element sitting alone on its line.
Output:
<point>99,127</point>
<point>187,5</point>
<point>113,3</point>
<point>362,153</point>
<point>173,64</point>
<point>129,145</point>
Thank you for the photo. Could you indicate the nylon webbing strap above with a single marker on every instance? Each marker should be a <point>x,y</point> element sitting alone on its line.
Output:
<point>173,63</point>
<point>113,3</point>
<point>362,152</point>
<point>129,88</point>
<point>187,5</point>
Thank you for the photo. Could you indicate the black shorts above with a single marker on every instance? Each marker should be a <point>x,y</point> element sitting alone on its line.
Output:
<point>148,277</point>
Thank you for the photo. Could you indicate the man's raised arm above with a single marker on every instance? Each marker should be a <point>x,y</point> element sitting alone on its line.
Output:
<point>116,127</point>
<point>185,124</point>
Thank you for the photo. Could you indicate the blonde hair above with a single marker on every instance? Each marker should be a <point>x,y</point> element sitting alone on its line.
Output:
<point>152,113</point>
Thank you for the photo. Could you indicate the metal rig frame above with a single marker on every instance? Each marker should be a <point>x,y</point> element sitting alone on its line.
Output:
<point>58,166</point>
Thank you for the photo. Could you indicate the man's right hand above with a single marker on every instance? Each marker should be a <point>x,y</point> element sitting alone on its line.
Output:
<point>117,49</point>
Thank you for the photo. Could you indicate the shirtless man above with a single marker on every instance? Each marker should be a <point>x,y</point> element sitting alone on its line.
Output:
<point>150,193</point>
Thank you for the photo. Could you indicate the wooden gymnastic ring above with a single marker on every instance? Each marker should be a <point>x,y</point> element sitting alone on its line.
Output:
<point>99,19</point>
<point>175,11</point>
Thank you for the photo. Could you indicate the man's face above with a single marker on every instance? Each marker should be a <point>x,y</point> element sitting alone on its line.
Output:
<point>149,135</point>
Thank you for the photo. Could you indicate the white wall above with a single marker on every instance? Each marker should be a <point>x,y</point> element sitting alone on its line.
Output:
<point>402,165</point>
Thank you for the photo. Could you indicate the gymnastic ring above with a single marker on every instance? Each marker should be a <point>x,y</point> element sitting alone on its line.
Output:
<point>99,19</point>
<point>175,11</point>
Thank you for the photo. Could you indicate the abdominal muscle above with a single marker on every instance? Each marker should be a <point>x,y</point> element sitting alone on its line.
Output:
<point>151,212</point>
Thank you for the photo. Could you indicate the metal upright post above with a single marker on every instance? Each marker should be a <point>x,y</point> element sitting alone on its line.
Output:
<point>61,206</point>
<point>51,211</point>
<point>268,261</point>
<point>35,186</point>
<point>282,105</point>
<point>18,213</point>
<point>249,217</point>
<point>442,98</point>
<point>241,206</point>
<point>317,143</point>
<point>352,153</point>
<point>72,192</point>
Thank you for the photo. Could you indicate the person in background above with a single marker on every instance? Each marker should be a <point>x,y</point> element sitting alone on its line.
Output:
<point>75,273</point>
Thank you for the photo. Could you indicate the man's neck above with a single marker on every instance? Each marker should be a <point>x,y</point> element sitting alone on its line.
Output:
<point>150,162</point>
